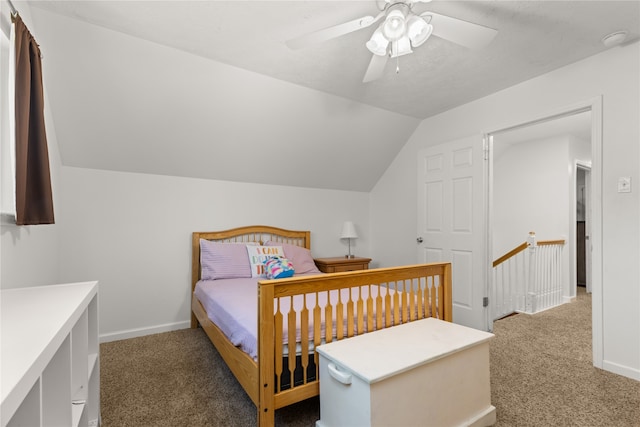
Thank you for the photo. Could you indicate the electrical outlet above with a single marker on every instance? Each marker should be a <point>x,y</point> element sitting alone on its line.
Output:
<point>624,184</point>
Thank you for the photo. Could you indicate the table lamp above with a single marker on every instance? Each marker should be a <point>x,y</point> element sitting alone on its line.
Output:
<point>348,232</point>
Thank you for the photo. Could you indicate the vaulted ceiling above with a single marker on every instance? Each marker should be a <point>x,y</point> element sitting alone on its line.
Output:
<point>209,89</point>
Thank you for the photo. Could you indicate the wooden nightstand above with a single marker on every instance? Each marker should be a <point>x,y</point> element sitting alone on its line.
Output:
<point>337,264</point>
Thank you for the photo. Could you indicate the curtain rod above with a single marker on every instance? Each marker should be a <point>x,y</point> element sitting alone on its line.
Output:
<point>14,11</point>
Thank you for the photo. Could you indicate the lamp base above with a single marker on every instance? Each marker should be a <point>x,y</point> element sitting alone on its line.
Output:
<point>349,256</point>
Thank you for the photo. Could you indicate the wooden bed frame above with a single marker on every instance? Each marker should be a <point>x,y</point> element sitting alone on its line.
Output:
<point>427,294</point>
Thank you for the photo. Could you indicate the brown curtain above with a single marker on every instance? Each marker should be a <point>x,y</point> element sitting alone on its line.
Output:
<point>34,199</point>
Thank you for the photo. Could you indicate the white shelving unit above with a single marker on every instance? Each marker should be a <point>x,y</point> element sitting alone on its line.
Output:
<point>49,357</point>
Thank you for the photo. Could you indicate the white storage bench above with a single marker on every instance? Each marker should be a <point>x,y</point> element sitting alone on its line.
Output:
<point>423,373</point>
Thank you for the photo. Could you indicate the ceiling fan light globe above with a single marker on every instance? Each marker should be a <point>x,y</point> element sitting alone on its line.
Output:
<point>401,47</point>
<point>378,44</point>
<point>394,26</point>
<point>418,30</point>
<point>376,48</point>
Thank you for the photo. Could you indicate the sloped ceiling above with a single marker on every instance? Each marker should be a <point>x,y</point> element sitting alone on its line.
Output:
<point>208,89</point>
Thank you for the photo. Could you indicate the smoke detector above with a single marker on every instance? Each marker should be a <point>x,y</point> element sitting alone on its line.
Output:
<point>614,39</point>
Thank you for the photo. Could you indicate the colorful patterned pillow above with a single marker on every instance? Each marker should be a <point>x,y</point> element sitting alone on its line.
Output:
<point>299,256</point>
<point>258,255</point>
<point>278,267</point>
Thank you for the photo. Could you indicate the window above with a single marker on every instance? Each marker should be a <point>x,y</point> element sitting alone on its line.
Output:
<point>7,174</point>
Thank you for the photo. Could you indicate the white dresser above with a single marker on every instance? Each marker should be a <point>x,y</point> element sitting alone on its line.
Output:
<point>49,361</point>
<point>423,373</point>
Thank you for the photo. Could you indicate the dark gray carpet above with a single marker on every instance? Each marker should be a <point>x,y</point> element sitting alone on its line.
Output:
<point>541,375</point>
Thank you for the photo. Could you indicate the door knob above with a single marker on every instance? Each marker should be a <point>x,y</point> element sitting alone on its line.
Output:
<point>419,240</point>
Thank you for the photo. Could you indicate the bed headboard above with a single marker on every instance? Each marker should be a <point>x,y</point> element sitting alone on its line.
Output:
<point>250,234</point>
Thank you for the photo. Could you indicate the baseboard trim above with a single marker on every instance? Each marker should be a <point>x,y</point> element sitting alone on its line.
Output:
<point>625,371</point>
<point>483,419</point>
<point>140,332</point>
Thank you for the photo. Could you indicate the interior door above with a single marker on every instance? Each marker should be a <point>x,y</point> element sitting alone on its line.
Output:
<point>587,212</point>
<point>452,221</point>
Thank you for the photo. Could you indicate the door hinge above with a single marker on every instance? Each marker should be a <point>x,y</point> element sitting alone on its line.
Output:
<point>485,148</point>
<point>485,301</point>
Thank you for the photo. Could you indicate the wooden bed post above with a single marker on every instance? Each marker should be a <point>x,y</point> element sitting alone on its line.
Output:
<point>195,271</point>
<point>448,299</point>
<point>266,374</point>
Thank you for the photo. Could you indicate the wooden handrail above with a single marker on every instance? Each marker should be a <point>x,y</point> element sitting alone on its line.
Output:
<point>522,247</point>
<point>511,253</point>
<point>551,242</point>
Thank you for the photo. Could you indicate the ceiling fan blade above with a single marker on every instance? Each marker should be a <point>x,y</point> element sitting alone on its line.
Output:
<point>375,69</point>
<point>464,33</point>
<point>332,32</point>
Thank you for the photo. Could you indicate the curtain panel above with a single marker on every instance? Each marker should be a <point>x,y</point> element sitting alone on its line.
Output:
<point>34,198</point>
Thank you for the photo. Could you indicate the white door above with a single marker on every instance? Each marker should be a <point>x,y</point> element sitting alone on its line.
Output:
<point>587,222</point>
<point>452,221</point>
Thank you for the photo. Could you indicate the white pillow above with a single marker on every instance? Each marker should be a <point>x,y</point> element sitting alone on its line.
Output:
<point>258,255</point>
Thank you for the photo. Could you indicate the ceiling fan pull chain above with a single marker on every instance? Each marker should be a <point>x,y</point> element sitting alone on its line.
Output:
<point>397,59</point>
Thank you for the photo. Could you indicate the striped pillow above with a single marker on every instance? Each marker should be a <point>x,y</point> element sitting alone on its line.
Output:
<point>223,260</point>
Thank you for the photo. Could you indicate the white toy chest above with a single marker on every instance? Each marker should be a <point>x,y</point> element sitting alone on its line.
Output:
<point>423,373</point>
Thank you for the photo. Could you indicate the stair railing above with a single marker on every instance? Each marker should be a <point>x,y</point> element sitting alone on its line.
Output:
<point>528,282</point>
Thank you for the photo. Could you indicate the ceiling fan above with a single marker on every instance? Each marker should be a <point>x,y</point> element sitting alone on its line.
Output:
<point>401,30</point>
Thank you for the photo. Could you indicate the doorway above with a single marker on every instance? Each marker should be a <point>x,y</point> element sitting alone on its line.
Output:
<point>532,191</point>
<point>583,225</point>
<point>587,156</point>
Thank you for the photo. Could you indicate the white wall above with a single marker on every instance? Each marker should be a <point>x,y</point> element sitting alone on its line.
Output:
<point>29,254</point>
<point>528,193</point>
<point>612,75</point>
<point>533,190</point>
<point>126,104</point>
<point>132,233</point>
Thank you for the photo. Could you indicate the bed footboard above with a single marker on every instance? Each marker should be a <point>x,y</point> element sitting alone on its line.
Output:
<point>307,311</point>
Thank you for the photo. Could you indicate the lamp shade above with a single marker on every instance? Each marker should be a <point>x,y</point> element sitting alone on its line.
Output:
<point>348,231</point>
<point>401,47</point>
<point>418,30</point>
<point>394,25</point>
<point>378,43</point>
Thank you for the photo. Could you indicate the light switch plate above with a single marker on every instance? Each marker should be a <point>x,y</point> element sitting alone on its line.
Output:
<point>624,184</point>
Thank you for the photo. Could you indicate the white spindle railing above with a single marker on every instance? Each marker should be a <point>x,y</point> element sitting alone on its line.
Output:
<point>528,279</point>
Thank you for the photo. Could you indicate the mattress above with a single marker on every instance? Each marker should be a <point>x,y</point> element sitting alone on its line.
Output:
<point>232,305</point>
